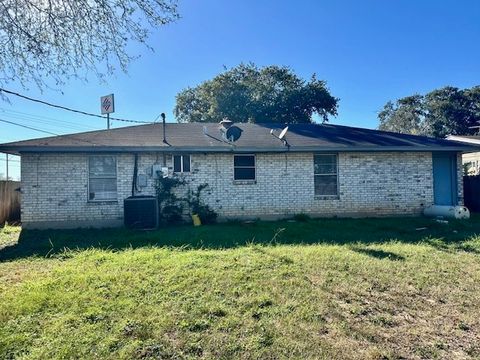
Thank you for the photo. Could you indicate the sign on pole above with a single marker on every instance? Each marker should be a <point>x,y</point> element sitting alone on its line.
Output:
<point>107,104</point>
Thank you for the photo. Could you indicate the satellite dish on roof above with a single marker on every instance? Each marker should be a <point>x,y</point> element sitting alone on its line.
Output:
<point>233,133</point>
<point>281,137</point>
<point>283,133</point>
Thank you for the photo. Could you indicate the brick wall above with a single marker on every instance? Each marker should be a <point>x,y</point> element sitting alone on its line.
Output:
<point>55,186</point>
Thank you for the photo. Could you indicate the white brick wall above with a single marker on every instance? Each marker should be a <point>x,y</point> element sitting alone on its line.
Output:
<point>55,186</point>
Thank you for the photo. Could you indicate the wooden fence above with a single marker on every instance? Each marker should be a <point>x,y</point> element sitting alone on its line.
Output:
<point>9,202</point>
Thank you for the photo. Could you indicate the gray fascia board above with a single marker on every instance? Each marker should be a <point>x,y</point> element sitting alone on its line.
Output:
<point>229,149</point>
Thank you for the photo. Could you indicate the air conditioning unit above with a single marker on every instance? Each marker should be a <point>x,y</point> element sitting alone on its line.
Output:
<point>140,212</point>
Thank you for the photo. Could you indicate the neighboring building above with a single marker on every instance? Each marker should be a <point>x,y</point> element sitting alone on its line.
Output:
<point>321,170</point>
<point>470,161</point>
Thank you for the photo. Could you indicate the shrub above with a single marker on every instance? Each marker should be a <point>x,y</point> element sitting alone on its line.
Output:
<point>197,206</point>
<point>170,206</point>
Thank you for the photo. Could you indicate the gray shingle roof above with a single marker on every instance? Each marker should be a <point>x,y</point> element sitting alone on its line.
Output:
<point>200,137</point>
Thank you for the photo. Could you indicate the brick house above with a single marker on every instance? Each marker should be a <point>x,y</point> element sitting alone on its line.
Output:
<point>80,180</point>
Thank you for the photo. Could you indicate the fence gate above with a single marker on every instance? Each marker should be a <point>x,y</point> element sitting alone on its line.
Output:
<point>9,201</point>
<point>471,192</point>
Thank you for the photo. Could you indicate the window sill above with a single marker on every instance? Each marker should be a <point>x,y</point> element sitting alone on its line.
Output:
<point>327,197</point>
<point>102,202</point>
<point>244,182</point>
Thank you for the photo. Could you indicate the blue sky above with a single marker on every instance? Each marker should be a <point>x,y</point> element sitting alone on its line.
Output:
<point>368,52</point>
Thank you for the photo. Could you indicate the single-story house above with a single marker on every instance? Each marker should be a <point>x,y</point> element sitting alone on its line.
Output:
<point>253,170</point>
<point>471,161</point>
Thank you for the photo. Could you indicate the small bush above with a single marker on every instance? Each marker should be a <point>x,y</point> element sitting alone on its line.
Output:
<point>170,206</point>
<point>197,206</point>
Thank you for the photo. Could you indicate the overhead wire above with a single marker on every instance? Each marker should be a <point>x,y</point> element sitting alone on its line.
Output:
<point>28,127</point>
<point>45,119</point>
<point>45,131</point>
<point>69,109</point>
<point>46,123</point>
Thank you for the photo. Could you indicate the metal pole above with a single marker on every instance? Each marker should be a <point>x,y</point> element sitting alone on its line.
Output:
<point>108,120</point>
<point>164,139</point>
<point>7,165</point>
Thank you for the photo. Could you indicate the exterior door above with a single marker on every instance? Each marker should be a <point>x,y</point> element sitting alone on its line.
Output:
<point>444,178</point>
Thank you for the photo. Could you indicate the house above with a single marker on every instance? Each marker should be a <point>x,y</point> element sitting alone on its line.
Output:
<point>470,161</point>
<point>253,170</point>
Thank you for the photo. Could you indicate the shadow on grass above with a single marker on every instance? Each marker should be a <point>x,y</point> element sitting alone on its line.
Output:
<point>378,254</point>
<point>356,232</point>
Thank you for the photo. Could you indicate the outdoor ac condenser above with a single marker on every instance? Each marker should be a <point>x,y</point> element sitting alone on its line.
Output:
<point>140,212</point>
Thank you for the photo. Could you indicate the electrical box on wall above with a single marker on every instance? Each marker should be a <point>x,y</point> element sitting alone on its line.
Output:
<point>142,180</point>
<point>156,170</point>
<point>159,171</point>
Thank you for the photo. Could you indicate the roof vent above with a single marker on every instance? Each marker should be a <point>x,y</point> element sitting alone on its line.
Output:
<point>229,131</point>
<point>226,123</point>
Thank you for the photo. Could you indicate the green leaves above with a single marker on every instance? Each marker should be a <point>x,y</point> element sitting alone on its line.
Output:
<point>441,112</point>
<point>248,93</point>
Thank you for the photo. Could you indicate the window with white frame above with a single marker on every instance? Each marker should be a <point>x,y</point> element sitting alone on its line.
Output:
<point>244,167</point>
<point>181,163</point>
<point>102,178</point>
<point>326,174</point>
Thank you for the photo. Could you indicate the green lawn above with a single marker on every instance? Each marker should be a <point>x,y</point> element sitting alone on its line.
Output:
<point>332,288</point>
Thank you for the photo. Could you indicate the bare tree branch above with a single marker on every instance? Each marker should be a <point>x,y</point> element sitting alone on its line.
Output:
<point>45,40</point>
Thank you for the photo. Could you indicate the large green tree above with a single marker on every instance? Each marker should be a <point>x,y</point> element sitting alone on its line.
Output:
<point>248,93</point>
<point>45,41</point>
<point>441,112</point>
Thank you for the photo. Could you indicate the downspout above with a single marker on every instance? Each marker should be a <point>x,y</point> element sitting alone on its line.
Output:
<point>135,172</point>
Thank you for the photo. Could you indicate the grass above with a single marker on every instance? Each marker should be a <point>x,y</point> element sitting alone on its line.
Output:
<point>312,289</point>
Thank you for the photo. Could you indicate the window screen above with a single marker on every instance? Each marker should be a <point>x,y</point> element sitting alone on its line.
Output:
<point>181,163</point>
<point>326,174</point>
<point>102,178</point>
<point>244,167</point>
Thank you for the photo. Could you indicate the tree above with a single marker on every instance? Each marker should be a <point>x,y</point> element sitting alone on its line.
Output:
<point>404,116</point>
<point>450,111</point>
<point>58,39</point>
<point>441,112</point>
<point>247,93</point>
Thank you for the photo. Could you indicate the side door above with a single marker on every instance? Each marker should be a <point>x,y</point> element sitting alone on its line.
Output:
<point>444,178</point>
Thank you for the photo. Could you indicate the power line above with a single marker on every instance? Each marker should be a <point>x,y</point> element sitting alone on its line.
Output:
<point>46,119</point>
<point>70,109</point>
<point>48,123</point>
<point>28,127</point>
<point>46,132</point>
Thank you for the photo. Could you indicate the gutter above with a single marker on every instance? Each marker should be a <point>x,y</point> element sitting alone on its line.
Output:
<point>463,140</point>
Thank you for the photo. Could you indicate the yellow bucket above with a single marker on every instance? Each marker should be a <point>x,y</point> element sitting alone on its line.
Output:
<point>196,220</point>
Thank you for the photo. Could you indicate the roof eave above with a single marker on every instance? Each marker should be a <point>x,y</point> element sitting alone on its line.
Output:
<point>463,140</point>
<point>17,150</point>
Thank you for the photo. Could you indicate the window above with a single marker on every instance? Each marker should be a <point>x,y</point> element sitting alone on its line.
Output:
<point>244,167</point>
<point>325,174</point>
<point>181,163</point>
<point>102,178</point>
